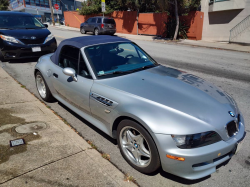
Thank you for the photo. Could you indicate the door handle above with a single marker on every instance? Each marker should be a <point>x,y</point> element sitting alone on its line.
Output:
<point>55,75</point>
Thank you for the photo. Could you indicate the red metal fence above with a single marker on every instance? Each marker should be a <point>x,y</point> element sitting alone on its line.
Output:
<point>148,23</point>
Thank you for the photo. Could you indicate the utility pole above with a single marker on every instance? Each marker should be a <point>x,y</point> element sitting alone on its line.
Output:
<point>52,12</point>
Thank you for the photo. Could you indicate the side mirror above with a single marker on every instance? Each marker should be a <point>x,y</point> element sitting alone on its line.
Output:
<point>70,72</point>
<point>45,25</point>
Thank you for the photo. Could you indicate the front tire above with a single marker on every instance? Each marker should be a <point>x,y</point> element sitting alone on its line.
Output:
<point>137,147</point>
<point>82,30</point>
<point>96,32</point>
<point>43,88</point>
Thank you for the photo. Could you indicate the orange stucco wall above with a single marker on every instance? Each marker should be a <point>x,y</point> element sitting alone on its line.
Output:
<point>149,23</point>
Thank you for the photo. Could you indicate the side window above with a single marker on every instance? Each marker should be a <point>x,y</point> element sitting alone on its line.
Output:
<point>89,20</point>
<point>93,20</point>
<point>69,58</point>
<point>83,70</point>
<point>99,20</point>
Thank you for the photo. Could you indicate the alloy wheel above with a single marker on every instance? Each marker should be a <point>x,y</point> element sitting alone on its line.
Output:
<point>41,86</point>
<point>96,32</point>
<point>135,146</point>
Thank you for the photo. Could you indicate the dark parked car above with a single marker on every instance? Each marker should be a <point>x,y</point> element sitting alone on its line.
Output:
<point>62,21</point>
<point>23,36</point>
<point>99,25</point>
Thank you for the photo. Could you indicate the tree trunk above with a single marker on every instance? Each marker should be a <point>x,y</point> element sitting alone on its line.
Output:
<point>177,21</point>
<point>52,12</point>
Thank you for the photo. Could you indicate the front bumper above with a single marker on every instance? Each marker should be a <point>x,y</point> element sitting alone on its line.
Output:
<point>199,162</point>
<point>18,51</point>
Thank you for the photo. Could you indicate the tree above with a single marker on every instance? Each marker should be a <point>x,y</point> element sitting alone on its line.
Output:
<point>4,4</point>
<point>178,8</point>
<point>94,7</point>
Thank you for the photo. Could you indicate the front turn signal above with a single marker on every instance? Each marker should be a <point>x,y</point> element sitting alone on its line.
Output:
<point>175,158</point>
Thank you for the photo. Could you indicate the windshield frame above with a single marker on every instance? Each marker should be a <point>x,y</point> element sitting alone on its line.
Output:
<point>28,27</point>
<point>94,72</point>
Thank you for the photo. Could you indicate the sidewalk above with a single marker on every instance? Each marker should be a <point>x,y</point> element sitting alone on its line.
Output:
<point>199,43</point>
<point>53,154</point>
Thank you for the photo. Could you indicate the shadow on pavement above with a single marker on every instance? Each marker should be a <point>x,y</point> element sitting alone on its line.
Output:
<point>88,124</point>
<point>182,180</point>
<point>27,60</point>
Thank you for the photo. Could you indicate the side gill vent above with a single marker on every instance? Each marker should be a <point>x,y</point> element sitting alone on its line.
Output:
<point>102,100</point>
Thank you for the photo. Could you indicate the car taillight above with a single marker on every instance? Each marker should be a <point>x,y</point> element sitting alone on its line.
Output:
<point>102,25</point>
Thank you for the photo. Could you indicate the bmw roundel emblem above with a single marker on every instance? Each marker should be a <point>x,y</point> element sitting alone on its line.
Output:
<point>231,114</point>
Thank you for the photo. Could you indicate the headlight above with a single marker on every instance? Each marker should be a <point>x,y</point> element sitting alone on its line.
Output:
<point>10,39</point>
<point>50,37</point>
<point>196,140</point>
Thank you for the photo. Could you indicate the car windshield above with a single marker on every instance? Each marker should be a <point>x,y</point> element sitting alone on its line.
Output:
<point>111,59</point>
<point>19,22</point>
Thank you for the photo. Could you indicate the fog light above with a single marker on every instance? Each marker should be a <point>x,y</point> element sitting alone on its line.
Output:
<point>175,158</point>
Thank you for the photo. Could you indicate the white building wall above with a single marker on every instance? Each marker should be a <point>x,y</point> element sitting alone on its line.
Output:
<point>221,17</point>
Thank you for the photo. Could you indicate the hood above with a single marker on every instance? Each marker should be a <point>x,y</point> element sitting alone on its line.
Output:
<point>181,91</point>
<point>26,33</point>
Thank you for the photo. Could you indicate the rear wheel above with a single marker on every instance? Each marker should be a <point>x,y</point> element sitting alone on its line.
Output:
<point>82,30</point>
<point>137,147</point>
<point>43,88</point>
<point>96,32</point>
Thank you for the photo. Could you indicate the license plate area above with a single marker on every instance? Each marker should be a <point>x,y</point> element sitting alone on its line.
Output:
<point>36,49</point>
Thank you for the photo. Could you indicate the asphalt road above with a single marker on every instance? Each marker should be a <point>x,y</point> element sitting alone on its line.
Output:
<point>226,69</point>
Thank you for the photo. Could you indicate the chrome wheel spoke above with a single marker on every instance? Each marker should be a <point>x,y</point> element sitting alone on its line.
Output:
<point>136,155</point>
<point>143,152</point>
<point>135,146</point>
<point>130,136</point>
<point>128,146</point>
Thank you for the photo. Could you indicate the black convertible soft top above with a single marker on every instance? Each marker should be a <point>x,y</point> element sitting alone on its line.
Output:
<point>83,41</point>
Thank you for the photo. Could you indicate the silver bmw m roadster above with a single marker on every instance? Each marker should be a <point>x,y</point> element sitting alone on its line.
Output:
<point>160,116</point>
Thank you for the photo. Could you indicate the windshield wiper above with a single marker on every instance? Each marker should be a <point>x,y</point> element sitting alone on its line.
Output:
<point>130,71</point>
<point>144,67</point>
<point>115,72</point>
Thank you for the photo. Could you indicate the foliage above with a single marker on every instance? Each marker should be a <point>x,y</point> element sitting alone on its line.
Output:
<point>170,27</point>
<point>183,29</point>
<point>184,6</point>
<point>94,7</point>
<point>4,4</point>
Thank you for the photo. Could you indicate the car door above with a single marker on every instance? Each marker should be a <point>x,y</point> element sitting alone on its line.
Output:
<point>86,24</point>
<point>74,93</point>
<point>92,24</point>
